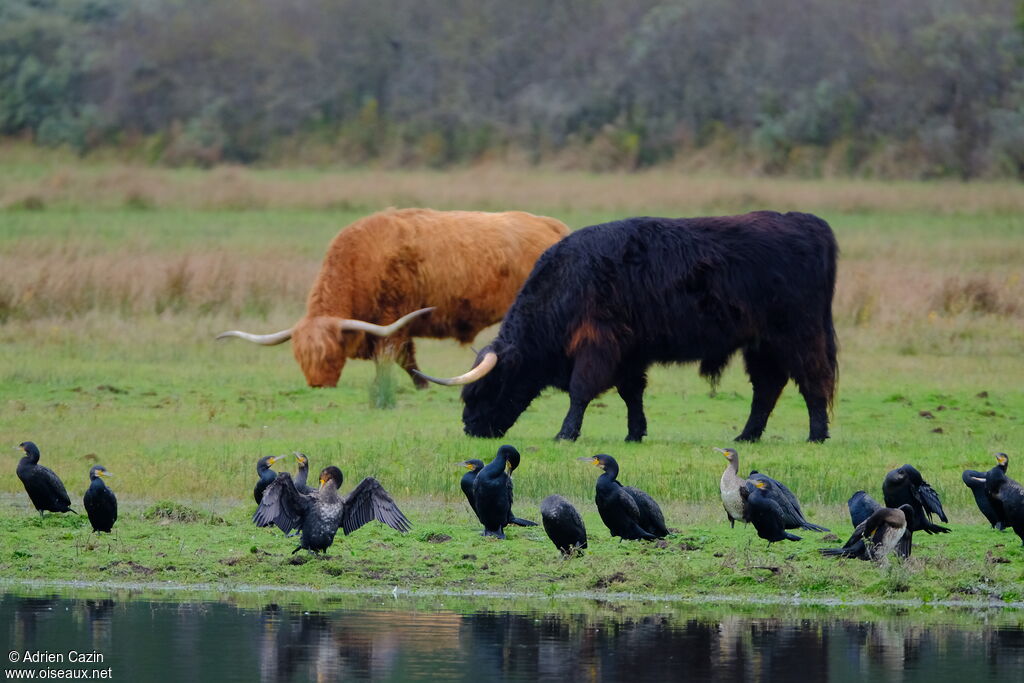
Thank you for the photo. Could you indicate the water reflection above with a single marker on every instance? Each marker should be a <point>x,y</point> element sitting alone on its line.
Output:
<point>146,639</point>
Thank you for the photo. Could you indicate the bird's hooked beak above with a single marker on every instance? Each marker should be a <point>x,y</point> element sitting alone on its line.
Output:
<point>593,460</point>
<point>103,473</point>
<point>760,484</point>
<point>722,451</point>
<point>1001,458</point>
<point>301,457</point>
<point>465,464</point>
<point>274,458</point>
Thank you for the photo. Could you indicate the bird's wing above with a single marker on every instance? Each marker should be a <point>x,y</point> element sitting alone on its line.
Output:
<point>789,508</point>
<point>861,507</point>
<point>54,484</point>
<point>651,517</point>
<point>369,501</point>
<point>283,504</point>
<point>930,500</point>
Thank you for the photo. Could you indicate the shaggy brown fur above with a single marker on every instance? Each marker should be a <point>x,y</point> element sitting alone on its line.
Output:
<point>469,265</point>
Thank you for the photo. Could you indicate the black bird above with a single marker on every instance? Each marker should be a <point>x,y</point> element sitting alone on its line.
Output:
<point>99,501</point>
<point>1007,497</point>
<point>976,483</point>
<point>563,525</point>
<point>302,473</point>
<point>320,514</point>
<point>884,531</point>
<point>906,486</point>
<point>266,475</point>
<point>492,491</point>
<point>861,506</point>
<point>734,491</point>
<point>628,512</point>
<point>792,515</point>
<point>469,478</point>
<point>765,513</point>
<point>44,488</point>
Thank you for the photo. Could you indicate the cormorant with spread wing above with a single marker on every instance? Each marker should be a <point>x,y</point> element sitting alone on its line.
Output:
<point>975,481</point>
<point>906,486</point>
<point>44,488</point>
<point>320,514</point>
<point>628,512</point>
<point>884,531</point>
<point>99,501</point>
<point>469,480</point>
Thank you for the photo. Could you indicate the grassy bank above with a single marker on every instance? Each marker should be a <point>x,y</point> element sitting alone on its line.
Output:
<point>109,304</point>
<point>445,552</point>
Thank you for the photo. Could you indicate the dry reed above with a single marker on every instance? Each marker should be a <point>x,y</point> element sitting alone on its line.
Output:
<point>496,188</point>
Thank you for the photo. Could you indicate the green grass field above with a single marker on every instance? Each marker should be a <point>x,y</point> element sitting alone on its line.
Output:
<point>109,307</point>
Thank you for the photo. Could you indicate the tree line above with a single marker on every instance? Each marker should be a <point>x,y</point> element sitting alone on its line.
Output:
<point>930,88</point>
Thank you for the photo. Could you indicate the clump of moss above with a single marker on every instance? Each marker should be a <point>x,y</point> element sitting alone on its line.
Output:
<point>170,511</point>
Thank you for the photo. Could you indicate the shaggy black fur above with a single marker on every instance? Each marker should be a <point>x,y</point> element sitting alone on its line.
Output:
<point>606,302</point>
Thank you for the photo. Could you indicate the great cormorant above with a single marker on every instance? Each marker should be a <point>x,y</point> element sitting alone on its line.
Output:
<point>1007,497</point>
<point>469,479</point>
<point>975,481</point>
<point>765,513</point>
<point>320,514</point>
<point>266,475</point>
<point>861,506</point>
<point>906,486</point>
<point>731,486</point>
<point>733,490</point>
<point>628,512</point>
<point>302,473</point>
<point>563,524</point>
<point>492,492</point>
<point>884,531</point>
<point>99,501</point>
<point>44,488</point>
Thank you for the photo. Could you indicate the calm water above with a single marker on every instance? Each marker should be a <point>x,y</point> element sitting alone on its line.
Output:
<point>250,638</point>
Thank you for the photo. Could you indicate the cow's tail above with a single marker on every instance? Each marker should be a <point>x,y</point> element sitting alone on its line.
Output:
<point>827,364</point>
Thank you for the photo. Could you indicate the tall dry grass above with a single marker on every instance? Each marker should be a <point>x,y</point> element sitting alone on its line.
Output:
<point>492,187</point>
<point>71,280</point>
<point>884,300</point>
<point>913,274</point>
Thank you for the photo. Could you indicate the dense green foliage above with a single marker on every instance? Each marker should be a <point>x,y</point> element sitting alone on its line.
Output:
<point>813,87</point>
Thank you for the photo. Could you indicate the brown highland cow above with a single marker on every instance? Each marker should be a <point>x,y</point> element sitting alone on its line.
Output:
<point>466,266</point>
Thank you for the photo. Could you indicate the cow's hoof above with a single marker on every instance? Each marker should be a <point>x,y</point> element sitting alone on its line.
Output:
<point>566,437</point>
<point>634,438</point>
<point>748,438</point>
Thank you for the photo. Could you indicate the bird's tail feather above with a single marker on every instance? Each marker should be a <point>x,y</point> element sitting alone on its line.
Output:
<point>519,521</point>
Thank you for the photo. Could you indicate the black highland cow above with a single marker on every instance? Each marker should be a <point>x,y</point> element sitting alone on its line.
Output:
<point>609,300</point>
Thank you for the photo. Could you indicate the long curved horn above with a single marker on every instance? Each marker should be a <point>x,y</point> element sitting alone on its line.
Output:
<point>487,364</point>
<point>382,330</point>
<point>265,339</point>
